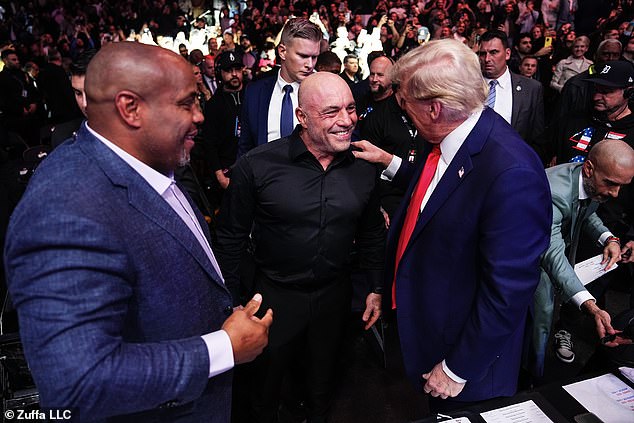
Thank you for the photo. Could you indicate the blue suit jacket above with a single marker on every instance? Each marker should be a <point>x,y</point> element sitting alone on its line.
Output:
<point>468,274</point>
<point>113,292</point>
<point>255,114</point>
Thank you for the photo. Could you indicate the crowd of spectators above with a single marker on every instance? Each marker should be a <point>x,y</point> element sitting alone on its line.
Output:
<point>551,40</point>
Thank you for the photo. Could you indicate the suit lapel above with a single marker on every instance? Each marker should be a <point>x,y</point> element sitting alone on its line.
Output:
<point>575,198</point>
<point>458,171</point>
<point>263,106</point>
<point>517,98</point>
<point>145,199</point>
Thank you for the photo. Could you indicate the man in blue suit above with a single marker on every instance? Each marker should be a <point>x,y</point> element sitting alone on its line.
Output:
<point>268,110</point>
<point>121,304</point>
<point>469,263</point>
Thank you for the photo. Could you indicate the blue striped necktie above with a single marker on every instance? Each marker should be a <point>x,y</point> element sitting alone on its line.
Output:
<point>491,98</point>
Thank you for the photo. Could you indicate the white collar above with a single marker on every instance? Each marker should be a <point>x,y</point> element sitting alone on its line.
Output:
<point>159,182</point>
<point>281,83</point>
<point>504,81</point>
<point>582,191</point>
<point>450,145</point>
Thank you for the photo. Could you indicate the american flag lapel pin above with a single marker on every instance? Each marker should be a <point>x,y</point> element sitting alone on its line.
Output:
<point>460,172</point>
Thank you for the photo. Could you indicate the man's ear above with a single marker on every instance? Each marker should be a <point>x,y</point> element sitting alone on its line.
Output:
<point>281,50</point>
<point>434,110</point>
<point>128,106</point>
<point>588,168</point>
<point>301,117</point>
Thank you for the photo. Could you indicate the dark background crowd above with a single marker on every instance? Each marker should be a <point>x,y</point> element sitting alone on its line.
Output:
<point>47,36</point>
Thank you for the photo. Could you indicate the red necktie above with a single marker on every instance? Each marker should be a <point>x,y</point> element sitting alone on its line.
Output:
<point>413,210</point>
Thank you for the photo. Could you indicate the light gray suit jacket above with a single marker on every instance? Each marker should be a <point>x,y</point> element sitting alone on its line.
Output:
<point>557,273</point>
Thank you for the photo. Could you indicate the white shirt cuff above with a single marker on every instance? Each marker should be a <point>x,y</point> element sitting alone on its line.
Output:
<point>220,352</point>
<point>581,297</point>
<point>451,374</point>
<point>390,171</point>
<point>604,236</point>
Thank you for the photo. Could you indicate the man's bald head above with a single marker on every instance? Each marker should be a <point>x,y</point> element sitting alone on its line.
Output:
<point>139,68</point>
<point>318,84</point>
<point>610,165</point>
<point>143,99</point>
<point>612,153</point>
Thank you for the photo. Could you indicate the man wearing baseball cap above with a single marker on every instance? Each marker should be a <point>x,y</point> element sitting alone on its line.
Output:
<point>221,128</point>
<point>610,117</point>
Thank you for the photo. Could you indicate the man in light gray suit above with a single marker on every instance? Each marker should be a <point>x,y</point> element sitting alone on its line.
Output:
<point>122,308</point>
<point>577,189</point>
<point>519,100</point>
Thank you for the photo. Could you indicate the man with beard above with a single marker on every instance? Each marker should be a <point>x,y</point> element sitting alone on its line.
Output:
<point>121,303</point>
<point>306,201</point>
<point>384,124</point>
<point>522,48</point>
<point>610,116</point>
<point>577,189</point>
<point>576,97</point>
<point>221,129</point>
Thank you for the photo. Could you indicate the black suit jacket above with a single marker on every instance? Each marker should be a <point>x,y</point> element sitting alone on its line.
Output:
<point>527,117</point>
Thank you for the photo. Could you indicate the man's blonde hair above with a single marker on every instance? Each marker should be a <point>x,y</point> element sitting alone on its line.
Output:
<point>446,71</point>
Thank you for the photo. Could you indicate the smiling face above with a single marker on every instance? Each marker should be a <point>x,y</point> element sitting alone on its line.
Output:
<point>327,114</point>
<point>579,48</point>
<point>170,122</point>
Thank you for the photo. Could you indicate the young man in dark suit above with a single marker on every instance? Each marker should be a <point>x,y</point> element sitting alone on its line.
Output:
<point>268,112</point>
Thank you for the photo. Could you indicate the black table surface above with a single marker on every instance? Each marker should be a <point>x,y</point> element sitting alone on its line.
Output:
<point>553,399</point>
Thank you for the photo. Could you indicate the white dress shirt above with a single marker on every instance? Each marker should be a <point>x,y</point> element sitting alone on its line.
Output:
<point>211,83</point>
<point>449,146</point>
<point>503,96</point>
<point>218,343</point>
<point>275,107</point>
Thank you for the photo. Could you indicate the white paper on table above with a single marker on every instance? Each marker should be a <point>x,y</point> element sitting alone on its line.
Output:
<point>526,411</point>
<point>607,396</point>
<point>457,420</point>
<point>628,372</point>
<point>592,269</point>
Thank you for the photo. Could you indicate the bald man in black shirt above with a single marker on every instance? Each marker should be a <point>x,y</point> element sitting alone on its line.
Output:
<point>308,201</point>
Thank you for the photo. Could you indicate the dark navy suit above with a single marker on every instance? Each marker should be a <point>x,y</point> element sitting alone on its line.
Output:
<point>467,277</point>
<point>113,292</point>
<point>255,114</point>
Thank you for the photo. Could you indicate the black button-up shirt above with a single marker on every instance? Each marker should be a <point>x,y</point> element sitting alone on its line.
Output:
<point>305,219</point>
